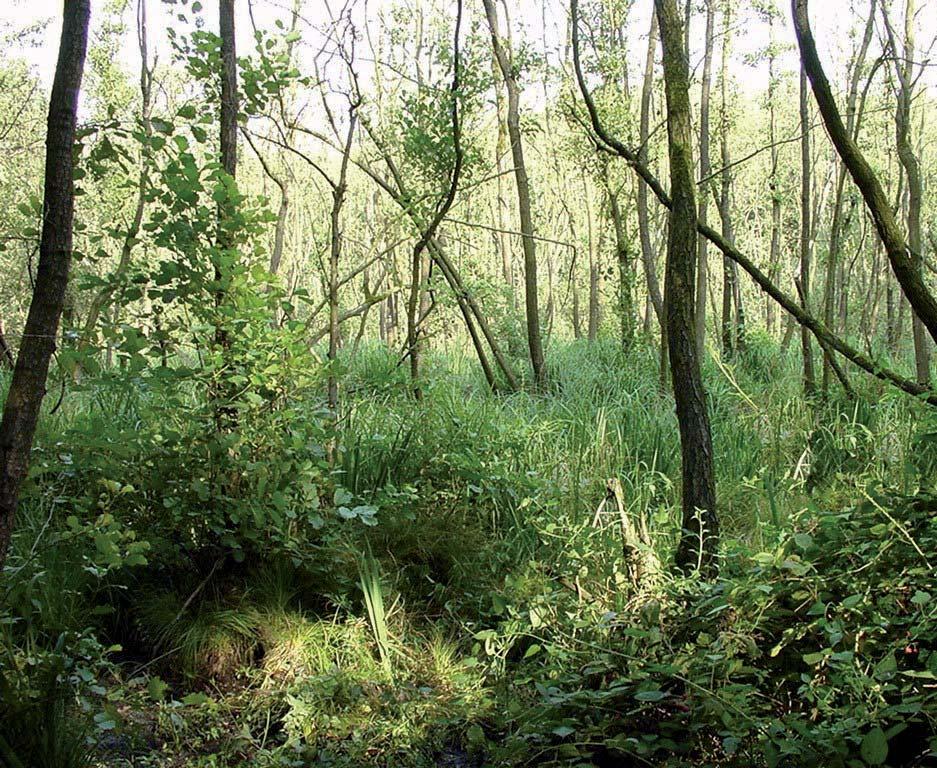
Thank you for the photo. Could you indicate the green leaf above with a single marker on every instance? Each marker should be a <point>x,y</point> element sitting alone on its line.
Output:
<point>650,696</point>
<point>195,699</point>
<point>874,747</point>
<point>532,651</point>
<point>156,688</point>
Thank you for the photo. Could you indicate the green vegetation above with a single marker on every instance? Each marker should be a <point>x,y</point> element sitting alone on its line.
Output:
<point>496,618</point>
<point>338,410</point>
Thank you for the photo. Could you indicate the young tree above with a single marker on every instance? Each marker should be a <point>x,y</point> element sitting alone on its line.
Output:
<point>733,331</point>
<point>27,388</point>
<point>503,54</point>
<point>648,254</point>
<point>806,242</point>
<point>705,170</point>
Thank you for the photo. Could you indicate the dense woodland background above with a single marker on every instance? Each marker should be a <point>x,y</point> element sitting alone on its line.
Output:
<point>433,384</point>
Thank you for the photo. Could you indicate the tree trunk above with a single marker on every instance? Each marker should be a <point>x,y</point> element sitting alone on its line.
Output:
<point>27,388</point>
<point>915,289</point>
<point>910,163</point>
<point>101,299</point>
<point>505,63</point>
<point>805,230</point>
<point>229,150</point>
<point>732,330</point>
<point>698,545</point>
<point>501,148</point>
<point>625,260</point>
<point>702,277</point>
<point>648,254</point>
<point>774,184</point>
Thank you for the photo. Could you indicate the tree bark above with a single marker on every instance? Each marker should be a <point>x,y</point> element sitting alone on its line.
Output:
<point>506,65</point>
<point>698,545</point>
<point>625,260</point>
<point>27,388</point>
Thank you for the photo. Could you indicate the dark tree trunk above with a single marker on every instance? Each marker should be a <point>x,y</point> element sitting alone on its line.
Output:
<point>27,389</point>
<point>228,149</point>
<point>700,537</point>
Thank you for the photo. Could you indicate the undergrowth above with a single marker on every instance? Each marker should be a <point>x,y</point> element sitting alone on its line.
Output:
<point>480,579</point>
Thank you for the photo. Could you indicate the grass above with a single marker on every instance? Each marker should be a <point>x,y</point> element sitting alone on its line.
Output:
<point>398,643</point>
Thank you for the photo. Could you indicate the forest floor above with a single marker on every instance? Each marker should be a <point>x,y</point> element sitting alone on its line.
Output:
<point>475,604</point>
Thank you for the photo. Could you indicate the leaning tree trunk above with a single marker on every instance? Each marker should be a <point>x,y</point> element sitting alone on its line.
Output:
<point>27,389</point>
<point>912,283</point>
<point>699,540</point>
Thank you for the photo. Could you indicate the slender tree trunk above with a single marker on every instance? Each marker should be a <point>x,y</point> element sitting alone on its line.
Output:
<point>732,330</point>
<point>699,541</point>
<point>101,299</point>
<point>625,260</point>
<point>501,149</point>
<point>27,388</point>
<point>702,276</point>
<point>648,254</point>
<point>915,289</point>
<point>910,163</point>
<point>805,230</point>
<point>229,152</point>
<point>594,248</point>
<point>503,55</point>
<point>774,184</point>
<point>335,254</point>
<point>421,253</point>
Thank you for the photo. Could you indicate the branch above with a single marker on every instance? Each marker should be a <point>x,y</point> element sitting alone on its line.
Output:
<point>823,334</point>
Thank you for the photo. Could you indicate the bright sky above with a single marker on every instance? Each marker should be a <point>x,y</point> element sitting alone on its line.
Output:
<point>832,20</point>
